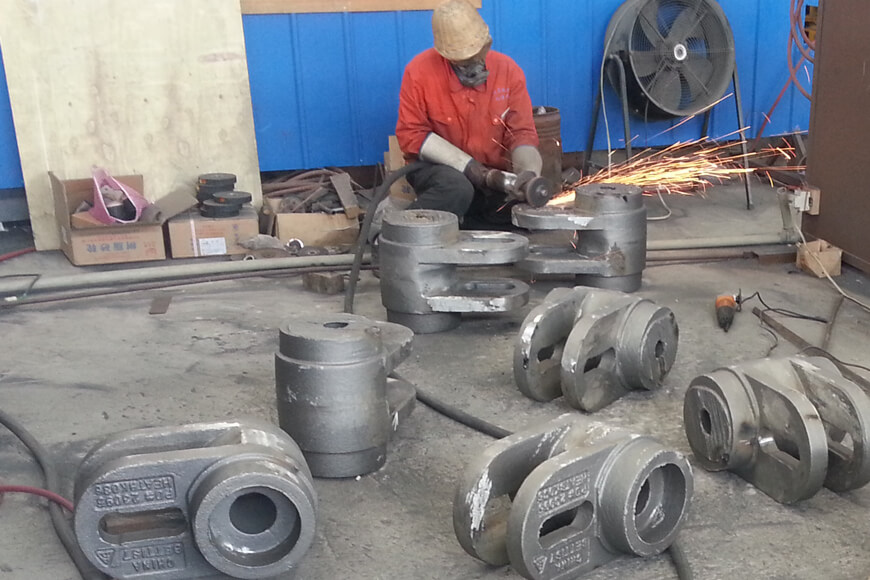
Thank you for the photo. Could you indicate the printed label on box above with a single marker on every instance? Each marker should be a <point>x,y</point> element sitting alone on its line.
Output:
<point>212,246</point>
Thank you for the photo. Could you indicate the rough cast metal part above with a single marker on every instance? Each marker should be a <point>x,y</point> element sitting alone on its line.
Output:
<point>213,500</point>
<point>420,284</point>
<point>788,426</point>
<point>334,397</point>
<point>557,500</point>
<point>609,249</point>
<point>593,346</point>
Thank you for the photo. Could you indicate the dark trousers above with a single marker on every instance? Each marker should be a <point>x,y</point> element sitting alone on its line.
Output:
<point>446,189</point>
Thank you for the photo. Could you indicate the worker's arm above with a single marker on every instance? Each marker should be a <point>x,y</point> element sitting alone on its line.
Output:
<point>414,124</point>
<point>519,120</point>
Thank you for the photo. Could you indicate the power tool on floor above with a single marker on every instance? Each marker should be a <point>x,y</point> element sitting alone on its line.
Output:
<point>726,306</point>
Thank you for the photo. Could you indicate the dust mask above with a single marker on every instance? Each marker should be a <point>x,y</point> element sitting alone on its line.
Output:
<point>471,75</point>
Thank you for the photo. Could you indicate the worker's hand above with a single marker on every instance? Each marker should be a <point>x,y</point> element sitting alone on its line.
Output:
<point>476,173</point>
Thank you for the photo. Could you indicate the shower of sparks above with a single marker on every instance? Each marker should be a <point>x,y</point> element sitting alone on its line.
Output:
<point>683,168</point>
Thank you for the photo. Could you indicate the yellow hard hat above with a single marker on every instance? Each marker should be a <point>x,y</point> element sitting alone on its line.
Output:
<point>459,31</point>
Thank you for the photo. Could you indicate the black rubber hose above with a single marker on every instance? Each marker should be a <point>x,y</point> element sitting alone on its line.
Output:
<point>52,482</point>
<point>681,562</point>
<point>379,195</point>
<point>461,416</point>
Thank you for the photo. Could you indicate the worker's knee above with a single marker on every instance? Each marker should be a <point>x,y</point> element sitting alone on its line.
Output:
<point>442,188</point>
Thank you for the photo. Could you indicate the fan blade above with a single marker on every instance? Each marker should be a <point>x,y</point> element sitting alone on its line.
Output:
<point>645,63</point>
<point>666,90</point>
<point>649,18</point>
<point>698,69</point>
<point>686,23</point>
<point>697,83</point>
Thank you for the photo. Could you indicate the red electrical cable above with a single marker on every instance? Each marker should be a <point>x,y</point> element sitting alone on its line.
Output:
<point>60,500</point>
<point>15,254</point>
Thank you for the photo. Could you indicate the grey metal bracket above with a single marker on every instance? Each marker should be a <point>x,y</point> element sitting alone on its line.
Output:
<point>560,499</point>
<point>420,251</point>
<point>787,426</point>
<point>609,247</point>
<point>593,346</point>
<point>334,397</point>
<point>226,499</point>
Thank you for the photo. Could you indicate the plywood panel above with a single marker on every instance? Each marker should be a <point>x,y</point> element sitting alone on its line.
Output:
<point>299,6</point>
<point>158,88</point>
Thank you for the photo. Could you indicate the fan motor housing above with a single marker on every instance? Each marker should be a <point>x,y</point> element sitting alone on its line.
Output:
<point>678,55</point>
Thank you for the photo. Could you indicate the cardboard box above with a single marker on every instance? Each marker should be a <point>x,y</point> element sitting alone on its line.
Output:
<point>191,235</point>
<point>818,257</point>
<point>317,229</point>
<point>314,229</point>
<point>94,243</point>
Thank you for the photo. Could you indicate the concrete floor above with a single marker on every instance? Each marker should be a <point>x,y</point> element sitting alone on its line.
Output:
<point>74,372</point>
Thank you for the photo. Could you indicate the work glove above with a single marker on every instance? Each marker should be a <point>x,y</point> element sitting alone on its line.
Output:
<point>476,173</point>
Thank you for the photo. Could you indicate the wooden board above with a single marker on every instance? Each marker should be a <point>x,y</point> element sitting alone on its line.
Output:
<point>123,84</point>
<point>304,6</point>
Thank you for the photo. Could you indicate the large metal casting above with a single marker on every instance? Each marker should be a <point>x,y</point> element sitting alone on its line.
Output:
<point>788,426</point>
<point>420,284</point>
<point>334,397</point>
<point>557,500</point>
<point>212,500</point>
<point>609,245</point>
<point>593,346</point>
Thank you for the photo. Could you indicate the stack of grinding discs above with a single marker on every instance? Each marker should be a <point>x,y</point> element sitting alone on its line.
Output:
<point>217,197</point>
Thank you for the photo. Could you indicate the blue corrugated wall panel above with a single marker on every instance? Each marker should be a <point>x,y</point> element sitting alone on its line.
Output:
<point>10,164</point>
<point>325,86</point>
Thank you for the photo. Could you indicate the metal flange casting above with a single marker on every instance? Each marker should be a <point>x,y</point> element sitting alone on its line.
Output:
<point>609,246</point>
<point>420,284</point>
<point>334,397</point>
<point>593,346</point>
<point>226,499</point>
<point>788,426</point>
<point>559,499</point>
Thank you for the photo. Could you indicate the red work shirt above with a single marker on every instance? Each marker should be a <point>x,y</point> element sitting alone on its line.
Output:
<point>487,121</point>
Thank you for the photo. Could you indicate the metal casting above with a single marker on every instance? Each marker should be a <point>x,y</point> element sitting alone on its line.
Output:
<point>214,500</point>
<point>420,284</point>
<point>593,346</point>
<point>334,397</point>
<point>787,426</point>
<point>608,222</point>
<point>560,499</point>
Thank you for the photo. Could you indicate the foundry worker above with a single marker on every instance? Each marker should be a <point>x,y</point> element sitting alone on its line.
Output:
<point>462,98</point>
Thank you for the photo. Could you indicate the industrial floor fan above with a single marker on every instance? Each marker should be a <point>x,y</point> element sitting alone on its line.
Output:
<point>668,59</point>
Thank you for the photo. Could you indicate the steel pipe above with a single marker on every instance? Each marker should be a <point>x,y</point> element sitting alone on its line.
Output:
<point>173,272</point>
<point>420,251</point>
<point>195,501</point>
<point>558,500</point>
<point>787,426</point>
<point>334,397</point>
<point>593,346</point>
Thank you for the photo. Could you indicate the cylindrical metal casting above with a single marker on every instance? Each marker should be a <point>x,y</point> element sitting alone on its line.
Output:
<point>331,381</point>
<point>548,123</point>
<point>420,251</point>
<point>196,501</point>
<point>609,246</point>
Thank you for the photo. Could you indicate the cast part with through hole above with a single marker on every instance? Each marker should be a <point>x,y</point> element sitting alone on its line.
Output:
<point>195,501</point>
<point>787,426</point>
<point>608,250</point>
<point>560,499</point>
<point>593,346</point>
<point>420,252</point>
<point>334,394</point>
